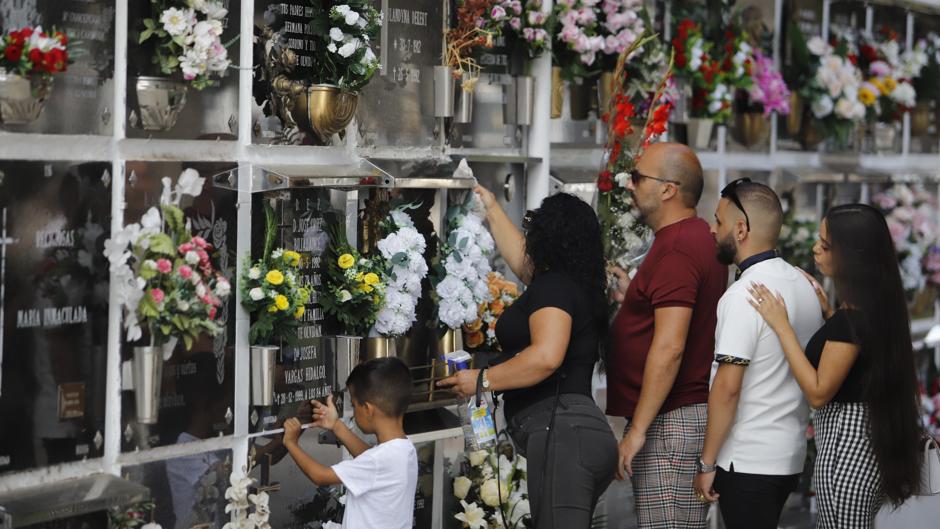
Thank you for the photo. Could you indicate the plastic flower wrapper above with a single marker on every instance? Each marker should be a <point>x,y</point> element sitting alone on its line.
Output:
<point>491,487</point>
<point>163,276</point>
<point>271,292</point>
<point>403,250</point>
<point>464,266</point>
<point>624,237</point>
<point>188,39</point>
<point>354,286</point>
<point>482,332</point>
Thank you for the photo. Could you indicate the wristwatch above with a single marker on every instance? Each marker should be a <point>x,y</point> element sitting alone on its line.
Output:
<point>486,381</point>
<point>702,468</point>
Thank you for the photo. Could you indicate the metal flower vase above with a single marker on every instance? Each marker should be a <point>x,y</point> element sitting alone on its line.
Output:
<point>22,98</point>
<point>517,100</point>
<point>579,98</point>
<point>159,102</point>
<point>347,350</point>
<point>558,92</point>
<point>605,91</point>
<point>443,92</point>
<point>700,132</point>
<point>795,117</point>
<point>920,119</point>
<point>148,374</point>
<point>451,341</point>
<point>463,102</point>
<point>325,110</point>
<point>751,128</point>
<point>379,347</point>
<point>263,362</point>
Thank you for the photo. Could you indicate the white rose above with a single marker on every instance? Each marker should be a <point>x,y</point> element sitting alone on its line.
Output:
<point>336,34</point>
<point>461,487</point>
<point>254,273</point>
<point>351,18</point>
<point>256,294</point>
<point>477,457</point>
<point>493,491</point>
<point>822,107</point>
<point>331,47</point>
<point>344,296</point>
<point>192,257</point>
<point>182,306</point>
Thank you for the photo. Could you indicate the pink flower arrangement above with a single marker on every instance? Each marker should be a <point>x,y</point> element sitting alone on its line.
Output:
<point>622,23</point>
<point>580,32</point>
<point>768,89</point>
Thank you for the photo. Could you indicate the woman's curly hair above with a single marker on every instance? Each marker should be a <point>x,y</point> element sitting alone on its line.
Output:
<point>564,235</point>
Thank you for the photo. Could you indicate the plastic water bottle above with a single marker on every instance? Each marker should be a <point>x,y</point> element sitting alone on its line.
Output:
<point>479,431</point>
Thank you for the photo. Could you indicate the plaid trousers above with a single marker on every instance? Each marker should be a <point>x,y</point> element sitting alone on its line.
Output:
<point>664,468</point>
<point>846,475</point>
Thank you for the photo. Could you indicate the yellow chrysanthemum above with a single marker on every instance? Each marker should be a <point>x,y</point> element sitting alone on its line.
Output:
<point>272,308</point>
<point>866,96</point>
<point>281,302</point>
<point>371,279</point>
<point>366,288</point>
<point>345,261</point>
<point>292,257</point>
<point>299,312</point>
<point>360,277</point>
<point>890,84</point>
<point>275,277</point>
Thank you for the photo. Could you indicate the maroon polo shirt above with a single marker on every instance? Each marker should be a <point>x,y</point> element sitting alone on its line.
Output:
<point>681,270</point>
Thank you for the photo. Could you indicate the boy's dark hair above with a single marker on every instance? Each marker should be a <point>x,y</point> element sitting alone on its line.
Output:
<point>383,382</point>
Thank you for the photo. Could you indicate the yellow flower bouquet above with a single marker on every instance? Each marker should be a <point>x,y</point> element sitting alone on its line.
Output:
<point>354,286</point>
<point>270,291</point>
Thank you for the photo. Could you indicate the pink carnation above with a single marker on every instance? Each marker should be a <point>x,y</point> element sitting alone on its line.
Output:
<point>186,247</point>
<point>157,295</point>
<point>164,266</point>
<point>185,272</point>
<point>199,241</point>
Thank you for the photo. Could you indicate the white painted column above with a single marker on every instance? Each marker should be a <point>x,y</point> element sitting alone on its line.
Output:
<point>112,416</point>
<point>540,138</point>
<point>909,45</point>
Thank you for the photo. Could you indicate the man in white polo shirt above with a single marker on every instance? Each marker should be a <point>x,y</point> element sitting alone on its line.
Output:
<point>757,416</point>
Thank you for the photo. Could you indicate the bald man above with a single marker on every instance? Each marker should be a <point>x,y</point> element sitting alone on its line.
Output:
<point>755,440</point>
<point>662,341</point>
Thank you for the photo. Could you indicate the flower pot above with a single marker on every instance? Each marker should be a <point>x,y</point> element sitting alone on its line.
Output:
<point>463,100</point>
<point>22,98</point>
<point>579,98</point>
<point>517,100</point>
<point>325,110</point>
<point>605,91</point>
<point>751,128</point>
<point>346,349</point>
<point>795,117</point>
<point>886,137</point>
<point>700,132</point>
<point>263,361</point>
<point>558,92</point>
<point>809,135</point>
<point>147,373</point>
<point>379,347</point>
<point>451,341</point>
<point>158,102</point>
<point>443,92</point>
<point>920,119</point>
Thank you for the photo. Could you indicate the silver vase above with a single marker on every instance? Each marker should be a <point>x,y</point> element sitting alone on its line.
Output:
<point>517,100</point>
<point>443,92</point>
<point>700,132</point>
<point>22,98</point>
<point>463,104</point>
<point>263,360</point>
<point>160,101</point>
<point>148,374</point>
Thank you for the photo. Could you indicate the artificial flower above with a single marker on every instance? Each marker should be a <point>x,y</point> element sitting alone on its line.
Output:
<point>275,277</point>
<point>345,261</point>
<point>461,487</point>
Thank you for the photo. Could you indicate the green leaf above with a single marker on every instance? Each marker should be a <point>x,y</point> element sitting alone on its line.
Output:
<point>174,219</point>
<point>147,273</point>
<point>149,23</point>
<point>162,244</point>
<point>144,35</point>
<point>188,340</point>
<point>165,329</point>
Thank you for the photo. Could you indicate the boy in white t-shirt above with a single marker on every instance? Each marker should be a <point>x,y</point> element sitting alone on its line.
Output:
<point>380,480</point>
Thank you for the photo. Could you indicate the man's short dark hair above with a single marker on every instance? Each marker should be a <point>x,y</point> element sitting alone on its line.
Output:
<point>383,382</point>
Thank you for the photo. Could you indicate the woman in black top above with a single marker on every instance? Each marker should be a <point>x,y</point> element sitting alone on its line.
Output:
<point>550,339</point>
<point>858,371</point>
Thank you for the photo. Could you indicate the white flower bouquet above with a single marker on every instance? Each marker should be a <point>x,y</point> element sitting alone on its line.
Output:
<point>347,57</point>
<point>492,489</point>
<point>403,250</point>
<point>189,39</point>
<point>465,260</point>
<point>163,276</point>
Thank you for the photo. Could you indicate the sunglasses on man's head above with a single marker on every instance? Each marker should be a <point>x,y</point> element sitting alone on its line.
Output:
<point>636,177</point>
<point>731,193</point>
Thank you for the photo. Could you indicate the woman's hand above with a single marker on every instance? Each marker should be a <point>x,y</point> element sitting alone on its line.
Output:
<point>770,305</point>
<point>820,295</point>
<point>487,196</point>
<point>463,383</point>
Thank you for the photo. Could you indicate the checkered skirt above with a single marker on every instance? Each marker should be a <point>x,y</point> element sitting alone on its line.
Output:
<point>846,476</point>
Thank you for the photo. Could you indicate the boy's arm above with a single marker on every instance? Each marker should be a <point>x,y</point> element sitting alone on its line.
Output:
<point>318,473</point>
<point>350,440</point>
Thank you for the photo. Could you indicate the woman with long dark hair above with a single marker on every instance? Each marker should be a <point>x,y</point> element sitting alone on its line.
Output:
<point>857,371</point>
<point>550,338</point>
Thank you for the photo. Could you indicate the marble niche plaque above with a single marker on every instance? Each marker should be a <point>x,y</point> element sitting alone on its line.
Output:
<point>54,219</point>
